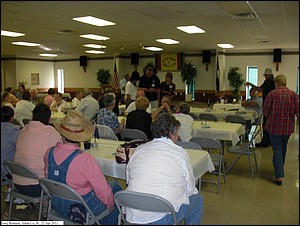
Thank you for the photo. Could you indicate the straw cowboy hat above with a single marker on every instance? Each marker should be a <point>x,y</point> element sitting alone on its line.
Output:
<point>75,127</point>
<point>268,71</point>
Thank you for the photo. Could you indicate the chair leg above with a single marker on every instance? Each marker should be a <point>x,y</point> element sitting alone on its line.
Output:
<point>10,208</point>
<point>232,164</point>
<point>251,167</point>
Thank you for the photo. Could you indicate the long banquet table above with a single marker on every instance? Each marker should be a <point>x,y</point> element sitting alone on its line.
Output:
<point>105,157</point>
<point>250,115</point>
<point>219,130</point>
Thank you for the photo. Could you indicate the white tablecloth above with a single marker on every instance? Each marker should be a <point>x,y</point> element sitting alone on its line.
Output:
<point>250,115</point>
<point>55,116</point>
<point>219,130</point>
<point>228,106</point>
<point>104,155</point>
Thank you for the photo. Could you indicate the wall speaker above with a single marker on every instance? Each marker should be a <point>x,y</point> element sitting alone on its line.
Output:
<point>83,61</point>
<point>134,58</point>
<point>277,56</point>
<point>206,56</point>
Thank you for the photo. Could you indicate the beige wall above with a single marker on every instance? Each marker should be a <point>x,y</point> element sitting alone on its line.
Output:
<point>15,71</point>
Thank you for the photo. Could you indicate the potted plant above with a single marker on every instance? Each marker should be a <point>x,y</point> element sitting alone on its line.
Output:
<point>103,76</point>
<point>235,80</point>
<point>188,74</point>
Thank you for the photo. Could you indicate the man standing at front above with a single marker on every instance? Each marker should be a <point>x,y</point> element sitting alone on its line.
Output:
<point>151,86</point>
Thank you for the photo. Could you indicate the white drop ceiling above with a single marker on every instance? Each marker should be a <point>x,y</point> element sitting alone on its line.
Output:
<point>140,23</point>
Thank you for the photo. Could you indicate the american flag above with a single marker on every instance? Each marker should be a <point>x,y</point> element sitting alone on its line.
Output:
<point>115,83</point>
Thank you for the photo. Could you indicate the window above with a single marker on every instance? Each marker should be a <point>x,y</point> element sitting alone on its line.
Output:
<point>252,77</point>
<point>60,80</point>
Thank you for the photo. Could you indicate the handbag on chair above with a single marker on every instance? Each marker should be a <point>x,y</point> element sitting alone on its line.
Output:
<point>126,150</point>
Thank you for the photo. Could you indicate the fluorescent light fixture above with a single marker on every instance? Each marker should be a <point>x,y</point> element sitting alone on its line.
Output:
<point>191,29</point>
<point>95,37</point>
<point>26,44</point>
<point>153,48</point>
<point>95,46</point>
<point>11,33</point>
<point>93,21</point>
<point>225,46</point>
<point>167,41</point>
<point>48,55</point>
<point>94,51</point>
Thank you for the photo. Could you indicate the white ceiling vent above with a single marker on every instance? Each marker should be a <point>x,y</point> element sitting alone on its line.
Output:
<point>243,16</point>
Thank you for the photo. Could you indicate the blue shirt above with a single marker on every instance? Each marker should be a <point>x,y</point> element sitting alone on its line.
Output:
<point>9,135</point>
<point>108,118</point>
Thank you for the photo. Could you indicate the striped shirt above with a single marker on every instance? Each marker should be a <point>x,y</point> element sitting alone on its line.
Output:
<point>280,107</point>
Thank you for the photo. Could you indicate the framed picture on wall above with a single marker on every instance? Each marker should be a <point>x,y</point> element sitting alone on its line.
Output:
<point>35,79</point>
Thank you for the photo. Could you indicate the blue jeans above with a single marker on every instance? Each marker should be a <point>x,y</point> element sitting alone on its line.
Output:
<point>95,204</point>
<point>279,146</point>
<point>192,213</point>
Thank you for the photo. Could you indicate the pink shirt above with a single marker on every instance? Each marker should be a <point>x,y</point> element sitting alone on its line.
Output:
<point>83,174</point>
<point>48,100</point>
<point>33,141</point>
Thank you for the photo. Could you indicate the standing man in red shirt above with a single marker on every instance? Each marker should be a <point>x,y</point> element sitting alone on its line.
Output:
<point>280,107</point>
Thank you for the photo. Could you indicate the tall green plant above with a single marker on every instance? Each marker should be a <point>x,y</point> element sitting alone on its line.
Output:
<point>235,80</point>
<point>103,76</point>
<point>188,73</point>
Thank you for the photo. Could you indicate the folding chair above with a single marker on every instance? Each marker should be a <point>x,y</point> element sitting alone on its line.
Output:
<point>106,132</point>
<point>130,134</point>
<point>208,117</point>
<point>216,152</point>
<point>194,116</point>
<point>144,202</point>
<point>248,149</point>
<point>20,169</point>
<point>61,190</point>
<point>188,145</point>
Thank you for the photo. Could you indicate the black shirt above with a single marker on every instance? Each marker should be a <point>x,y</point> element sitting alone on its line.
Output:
<point>141,120</point>
<point>267,87</point>
<point>167,89</point>
<point>148,83</point>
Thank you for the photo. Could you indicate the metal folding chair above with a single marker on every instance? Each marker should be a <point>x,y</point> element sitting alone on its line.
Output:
<point>189,145</point>
<point>131,134</point>
<point>208,117</point>
<point>144,202</point>
<point>106,132</point>
<point>61,190</point>
<point>15,168</point>
<point>216,152</point>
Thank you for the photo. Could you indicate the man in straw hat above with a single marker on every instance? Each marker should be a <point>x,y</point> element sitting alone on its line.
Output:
<point>267,86</point>
<point>66,163</point>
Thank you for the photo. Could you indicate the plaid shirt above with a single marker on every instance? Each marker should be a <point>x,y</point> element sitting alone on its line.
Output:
<point>108,118</point>
<point>280,108</point>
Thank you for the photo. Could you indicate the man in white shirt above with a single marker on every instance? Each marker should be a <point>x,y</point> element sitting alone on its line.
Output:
<point>132,106</point>
<point>58,104</point>
<point>186,121</point>
<point>131,88</point>
<point>89,106</point>
<point>24,108</point>
<point>123,83</point>
<point>163,168</point>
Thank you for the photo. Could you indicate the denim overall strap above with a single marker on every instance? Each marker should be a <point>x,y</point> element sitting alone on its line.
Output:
<point>59,172</point>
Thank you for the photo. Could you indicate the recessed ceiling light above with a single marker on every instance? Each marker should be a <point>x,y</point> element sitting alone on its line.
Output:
<point>93,21</point>
<point>11,33</point>
<point>167,41</point>
<point>191,29</point>
<point>26,44</point>
<point>48,55</point>
<point>95,37</point>
<point>153,48</point>
<point>95,46</point>
<point>225,46</point>
<point>94,51</point>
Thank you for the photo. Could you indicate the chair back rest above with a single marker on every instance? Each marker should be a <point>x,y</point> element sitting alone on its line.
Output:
<point>143,201</point>
<point>59,189</point>
<point>130,134</point>
<point>20,169</point>
<point>189,145</point>
<point>106,132</point>
<point>208,143</point>
<point>235,119</point>
<point>208,117</point>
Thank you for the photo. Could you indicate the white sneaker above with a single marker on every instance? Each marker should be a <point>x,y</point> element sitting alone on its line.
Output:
<point>18,201</point>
